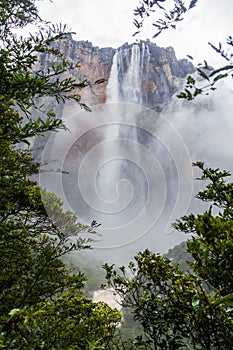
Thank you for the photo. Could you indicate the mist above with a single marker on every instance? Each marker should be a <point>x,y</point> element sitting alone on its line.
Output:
<point>129,167</point>
<point>206,125</point>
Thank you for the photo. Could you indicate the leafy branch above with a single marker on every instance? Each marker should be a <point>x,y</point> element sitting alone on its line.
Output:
<point>167,20</point>
<point>209,74</point>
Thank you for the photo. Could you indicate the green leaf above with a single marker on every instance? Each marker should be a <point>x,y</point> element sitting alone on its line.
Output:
<point>214,72</point>
<point>220,76</point>
<point>203,74</point>
<point>14,312</point>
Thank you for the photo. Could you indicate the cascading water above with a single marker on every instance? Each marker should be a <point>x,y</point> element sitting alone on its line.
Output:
<point>125,81</point>
<point>120,163</point>
<point>131,84</point>
<point>124,87</point>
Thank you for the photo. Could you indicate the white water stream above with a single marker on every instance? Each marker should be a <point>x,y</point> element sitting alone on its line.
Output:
<point>121,163</point>
<point>118,177</point>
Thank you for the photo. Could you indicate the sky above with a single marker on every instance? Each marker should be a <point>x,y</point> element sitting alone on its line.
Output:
<point>110,23</point>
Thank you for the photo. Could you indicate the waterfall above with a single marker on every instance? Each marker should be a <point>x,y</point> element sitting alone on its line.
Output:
<point>131,85</point>
<point>124,87</point>
<point>125,83</point>
<point>109,297</point>
<point>124,165</point>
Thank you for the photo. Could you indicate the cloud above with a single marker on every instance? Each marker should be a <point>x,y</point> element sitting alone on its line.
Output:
<point>207,131</point>
<point>109,23</point>
<point>209,21</point>
<point>206,125</point>
<point>105,23</point>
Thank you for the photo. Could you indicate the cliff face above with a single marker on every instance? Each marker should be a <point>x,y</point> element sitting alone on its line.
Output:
<point>163,70</point>
<point>121,141</point>
<point>159,69</point>
<point>94,64</point>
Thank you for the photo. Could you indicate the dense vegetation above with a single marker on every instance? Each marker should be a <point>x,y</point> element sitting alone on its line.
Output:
<point>43,305</point>
<point>179,309</point>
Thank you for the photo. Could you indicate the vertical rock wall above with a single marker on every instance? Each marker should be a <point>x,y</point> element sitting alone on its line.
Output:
<point>160,69</point>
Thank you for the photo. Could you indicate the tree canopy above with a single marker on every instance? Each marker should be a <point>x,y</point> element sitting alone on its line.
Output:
<point>42,303</point>
<point>178,309</point>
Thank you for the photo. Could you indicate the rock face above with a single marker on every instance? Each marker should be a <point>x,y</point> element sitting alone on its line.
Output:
<point>159,69</point>
<point>119,140</point>
<point>94,63</point>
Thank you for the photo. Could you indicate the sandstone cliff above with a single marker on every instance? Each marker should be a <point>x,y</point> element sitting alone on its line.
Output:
<point>116,141</point>
<point>160,69</point>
